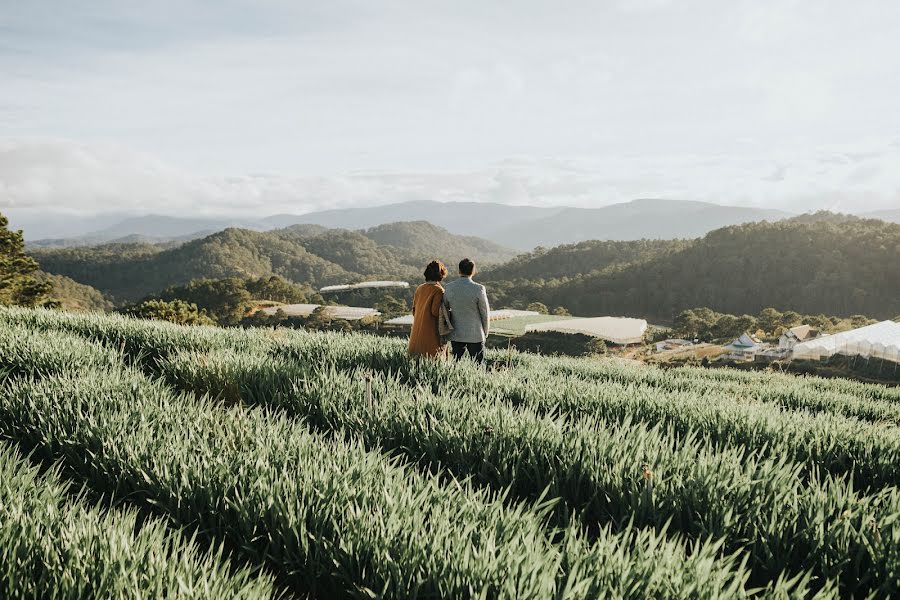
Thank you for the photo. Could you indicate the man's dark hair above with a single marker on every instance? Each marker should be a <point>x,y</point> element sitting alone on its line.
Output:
<point>466,267</point>
<point>435,271</point>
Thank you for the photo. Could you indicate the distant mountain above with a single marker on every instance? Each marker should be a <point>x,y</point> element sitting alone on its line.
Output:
<point>422,241</point>
<point>302,254</point>
<point>638,219</point>
<point>892,215</point>
<point>842,268</point>
<point>520,227</point>
<point>525,227</point>
<point>95,240</point>
<point>148,229</point>
<point>462,218</point>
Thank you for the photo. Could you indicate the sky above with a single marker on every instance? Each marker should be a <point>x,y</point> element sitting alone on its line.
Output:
<point>255,107</point>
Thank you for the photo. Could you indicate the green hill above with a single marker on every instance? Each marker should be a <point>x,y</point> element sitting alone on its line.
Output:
<point>131,272</point>
<point>583,258</point>
<point>72,295</point>
<point>420,241</point>
<point>301,254</point>
<point>842,268</point>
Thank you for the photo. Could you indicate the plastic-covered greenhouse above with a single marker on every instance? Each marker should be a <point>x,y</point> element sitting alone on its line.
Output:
<point>618,330</point>
<point>881,340</point>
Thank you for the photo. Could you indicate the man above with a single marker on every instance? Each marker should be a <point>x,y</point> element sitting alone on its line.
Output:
<point>469,311</point>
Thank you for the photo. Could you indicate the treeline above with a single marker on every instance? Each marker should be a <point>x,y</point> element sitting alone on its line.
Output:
<point>229,301</point>
<point>709,325</point>
<point>579,260</point>
<point>301,254</point>
<point>830,266</point>
<point>20,281</point>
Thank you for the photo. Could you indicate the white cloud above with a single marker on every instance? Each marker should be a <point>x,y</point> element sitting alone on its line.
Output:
<point>65,176</point>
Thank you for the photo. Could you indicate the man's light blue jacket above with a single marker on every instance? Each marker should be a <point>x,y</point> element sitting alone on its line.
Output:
<point>469,310</point>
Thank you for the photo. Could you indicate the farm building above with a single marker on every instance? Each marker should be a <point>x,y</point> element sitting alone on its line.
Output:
<point>363,286</point>
<point>618,330</point>
<point>797,335</point>
<point>743,348</point>
<point>881,340</point>
<point>347,313</point>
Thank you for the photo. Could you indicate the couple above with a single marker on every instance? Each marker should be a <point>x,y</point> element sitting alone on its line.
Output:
<point>463,301</point>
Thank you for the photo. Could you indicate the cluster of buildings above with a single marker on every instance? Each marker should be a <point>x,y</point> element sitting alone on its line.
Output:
<point>879,340</point>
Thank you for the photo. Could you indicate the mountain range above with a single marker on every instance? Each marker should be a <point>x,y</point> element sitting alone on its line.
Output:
<point>310,254</point>
<point>820,263</point>
<point>813,263</point>
<point>519,227</point>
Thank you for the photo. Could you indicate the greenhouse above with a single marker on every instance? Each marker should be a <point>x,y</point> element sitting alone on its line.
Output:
<point>618,330</point>
<point>363,286</point>
<point>881,340</point>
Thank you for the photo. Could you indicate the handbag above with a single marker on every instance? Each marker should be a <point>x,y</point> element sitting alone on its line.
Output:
<point>445,323</point>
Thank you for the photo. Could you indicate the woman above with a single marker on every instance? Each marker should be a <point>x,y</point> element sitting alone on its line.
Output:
<point>425,339</point>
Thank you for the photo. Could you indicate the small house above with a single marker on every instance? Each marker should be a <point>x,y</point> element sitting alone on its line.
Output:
<point>797,335</point>
<point>743,348</point>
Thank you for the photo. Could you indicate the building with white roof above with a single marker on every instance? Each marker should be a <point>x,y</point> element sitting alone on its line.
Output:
<point>502,314</point>
<point>618,330</point>
<point>363,286</point>
<point>880,340</point>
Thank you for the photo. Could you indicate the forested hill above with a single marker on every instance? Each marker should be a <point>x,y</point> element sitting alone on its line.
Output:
<point>302,254</point>
<point>421,241</point>
<point>847,267</point>
<point>581,259</point>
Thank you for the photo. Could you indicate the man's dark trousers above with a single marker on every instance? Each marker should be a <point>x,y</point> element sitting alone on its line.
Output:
<point>476,350</point>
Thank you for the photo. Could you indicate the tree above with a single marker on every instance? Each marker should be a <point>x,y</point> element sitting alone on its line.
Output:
<point>562,311</point>
<point>820,322</point>
<point>226,300</point>
<point>18,283</point>
<point>278,289</point>
<point>769,320</point>
<point>318,319</point>
<point>596,346</point>
<point>538,307</point>
<point>175,311</point>
<point>391,307</point>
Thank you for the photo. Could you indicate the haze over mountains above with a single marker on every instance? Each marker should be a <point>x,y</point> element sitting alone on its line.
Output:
<point>520,227</point>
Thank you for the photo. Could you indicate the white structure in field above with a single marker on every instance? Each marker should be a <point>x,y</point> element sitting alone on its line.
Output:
<point>510,313</point>
<point>881,340</point>
<point>347,313</point>
<point>618,330</point>
<point>496,315</point>
<point>797,335</point>
<point>743,348</point>
<point>363,286</point>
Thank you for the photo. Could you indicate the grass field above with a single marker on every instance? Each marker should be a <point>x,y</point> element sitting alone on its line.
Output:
<point>203,462</point>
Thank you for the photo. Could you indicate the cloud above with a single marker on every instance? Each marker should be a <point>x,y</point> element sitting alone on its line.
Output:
<point>63,176</point>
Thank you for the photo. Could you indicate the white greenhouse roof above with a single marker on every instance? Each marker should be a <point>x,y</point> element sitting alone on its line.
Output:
<point>509,313</point>
<point>496,315</point>
<point>364,285</point>
<point>619,330</point>
<point>404,320</point>
<point>348,313</point>
<point>881,340</point>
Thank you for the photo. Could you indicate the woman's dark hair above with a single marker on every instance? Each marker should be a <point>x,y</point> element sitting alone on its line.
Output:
<point>435,271</point>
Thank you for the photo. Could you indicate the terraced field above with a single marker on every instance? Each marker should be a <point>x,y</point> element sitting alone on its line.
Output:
<point>203,462</point>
